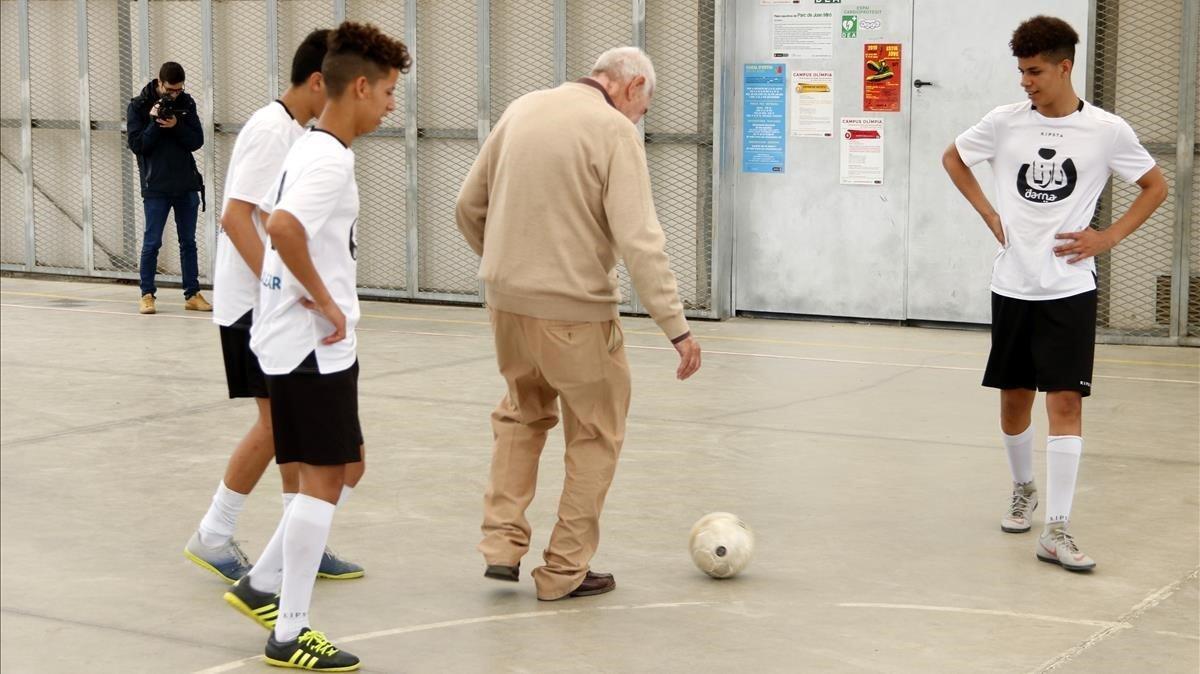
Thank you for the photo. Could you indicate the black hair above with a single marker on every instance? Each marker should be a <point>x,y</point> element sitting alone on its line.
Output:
<point>309,55</point>
<point>171,72</point>
<point>361,50</point>
<point>1045,36</point>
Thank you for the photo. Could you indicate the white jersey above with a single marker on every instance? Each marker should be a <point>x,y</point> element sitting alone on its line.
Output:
<point>316,186</point>
<point>1049,172</point>
<point>258,153</point>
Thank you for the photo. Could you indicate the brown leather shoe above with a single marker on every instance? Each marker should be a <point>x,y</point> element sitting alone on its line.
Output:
<point>502,572</point>
<point>593,584</point>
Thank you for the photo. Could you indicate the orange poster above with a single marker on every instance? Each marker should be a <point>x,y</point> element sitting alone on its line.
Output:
<point>881,78</point>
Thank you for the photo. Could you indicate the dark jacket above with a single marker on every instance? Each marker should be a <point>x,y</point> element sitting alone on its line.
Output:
<point>164,156</point>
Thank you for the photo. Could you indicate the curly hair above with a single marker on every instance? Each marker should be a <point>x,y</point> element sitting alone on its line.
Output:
<point>361,50</point>
<point>1046,36</point>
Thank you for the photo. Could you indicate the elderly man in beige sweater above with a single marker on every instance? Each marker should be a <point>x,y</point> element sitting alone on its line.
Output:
<point>559,192</point>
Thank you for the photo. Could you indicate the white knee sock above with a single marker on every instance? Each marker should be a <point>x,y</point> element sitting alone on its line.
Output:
<point>1062,467</point>
<point>1020,455</point>
<point>304,540</point>
<point>267,573</point>
<point>287,499</point>
<point>220,521</point>
<point>347,490</point>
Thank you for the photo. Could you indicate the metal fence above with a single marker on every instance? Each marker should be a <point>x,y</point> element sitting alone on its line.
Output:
<point>69,200</point>
<point>1145,71</point>
<point>71,203</point>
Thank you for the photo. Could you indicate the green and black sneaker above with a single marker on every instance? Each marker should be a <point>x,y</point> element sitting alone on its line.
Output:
<point>310,650</point>
<point>261,607</point>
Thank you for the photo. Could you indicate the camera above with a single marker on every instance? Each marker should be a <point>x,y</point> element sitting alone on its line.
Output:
<point>168,107</point>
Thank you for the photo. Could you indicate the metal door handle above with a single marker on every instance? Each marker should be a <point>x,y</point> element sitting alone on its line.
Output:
<point>921,83</point>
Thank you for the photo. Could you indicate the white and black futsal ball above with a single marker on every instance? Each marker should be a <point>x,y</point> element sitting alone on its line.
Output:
<point>721,544</point>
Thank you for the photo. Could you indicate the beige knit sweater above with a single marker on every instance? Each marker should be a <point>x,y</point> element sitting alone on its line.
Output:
<point>559,190</point>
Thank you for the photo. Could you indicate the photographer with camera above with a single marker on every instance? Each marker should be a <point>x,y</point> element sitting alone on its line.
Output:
<point>163,131</point>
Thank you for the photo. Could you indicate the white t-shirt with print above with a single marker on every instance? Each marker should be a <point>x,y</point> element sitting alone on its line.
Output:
<point>316,185</point>
<point>1049,173</point>
<point>258,153</point>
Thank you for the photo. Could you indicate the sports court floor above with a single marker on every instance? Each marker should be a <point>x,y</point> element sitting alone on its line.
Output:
<point>865,457</point>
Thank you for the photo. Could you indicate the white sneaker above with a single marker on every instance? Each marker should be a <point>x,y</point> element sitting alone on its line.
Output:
<point>1057,546</point>
<point>1019,517</point>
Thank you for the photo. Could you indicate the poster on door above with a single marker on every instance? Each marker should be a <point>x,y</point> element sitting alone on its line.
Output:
<point>802,35</point>
<point>862,151</point>
<point>764,107</point>
<point>881,77</point>
<point>812,103</point>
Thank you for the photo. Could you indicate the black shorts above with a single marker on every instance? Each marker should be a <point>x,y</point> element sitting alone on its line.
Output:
<point>314,416</point>
<point>242,372</point>
<point>1047,345</point>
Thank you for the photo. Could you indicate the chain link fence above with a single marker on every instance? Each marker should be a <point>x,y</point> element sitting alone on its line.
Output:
<point>12,169</point>
<point>1193,253</point>
<point>473,58</point>
<point>679,136</point>
<point>1139,54</point>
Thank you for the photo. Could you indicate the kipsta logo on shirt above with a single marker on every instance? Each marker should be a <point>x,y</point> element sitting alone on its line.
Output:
<point>1046,180</point>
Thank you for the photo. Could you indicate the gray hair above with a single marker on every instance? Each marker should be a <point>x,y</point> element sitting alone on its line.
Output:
<point>622,64</point>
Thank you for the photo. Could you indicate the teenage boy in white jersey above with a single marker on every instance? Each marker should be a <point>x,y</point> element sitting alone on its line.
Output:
<point>303,335</point>
<point>1052,156</point>
<point>257,155</point>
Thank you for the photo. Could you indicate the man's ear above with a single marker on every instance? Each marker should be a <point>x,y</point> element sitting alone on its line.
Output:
<point>316,81</point>
<point>636,84</point>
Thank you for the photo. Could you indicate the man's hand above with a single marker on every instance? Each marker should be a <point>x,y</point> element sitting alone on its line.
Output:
<point>997,228</point>
<point>167,123</point>
<point>689,358</point>
<point>333,314</point>
<point>1083,244</point>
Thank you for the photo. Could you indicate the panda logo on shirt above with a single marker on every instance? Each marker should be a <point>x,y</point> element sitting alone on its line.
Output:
<point>1047,180</point>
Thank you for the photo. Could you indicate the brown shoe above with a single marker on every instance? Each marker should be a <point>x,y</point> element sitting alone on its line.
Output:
<point>197,303</point>
<point>595,583</point>
<point>502,572</point>
<point>146,304</point>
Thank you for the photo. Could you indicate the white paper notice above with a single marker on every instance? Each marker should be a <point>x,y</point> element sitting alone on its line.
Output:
<point>802,35</point>
<point>812,103</point>
<point>862,150</point>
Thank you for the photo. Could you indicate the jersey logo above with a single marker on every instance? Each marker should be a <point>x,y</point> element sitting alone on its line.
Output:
<point>1046,181</point>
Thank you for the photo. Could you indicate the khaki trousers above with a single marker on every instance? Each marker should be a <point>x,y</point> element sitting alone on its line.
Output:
<point>580,367</point>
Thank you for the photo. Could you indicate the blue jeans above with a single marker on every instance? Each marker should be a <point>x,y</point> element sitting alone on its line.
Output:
<point>157,208</point>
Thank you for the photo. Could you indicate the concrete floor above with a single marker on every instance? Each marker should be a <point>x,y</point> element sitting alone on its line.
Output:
<point>865,457</point>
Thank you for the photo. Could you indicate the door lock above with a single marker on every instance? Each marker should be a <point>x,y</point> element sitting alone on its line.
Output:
<point>922,83</point>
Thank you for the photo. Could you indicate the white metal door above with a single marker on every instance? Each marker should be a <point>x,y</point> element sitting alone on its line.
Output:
<point>961,48</point>
<point>805,243</point>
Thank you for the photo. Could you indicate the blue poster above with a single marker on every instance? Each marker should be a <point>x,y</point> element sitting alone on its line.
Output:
<point>764,107</point>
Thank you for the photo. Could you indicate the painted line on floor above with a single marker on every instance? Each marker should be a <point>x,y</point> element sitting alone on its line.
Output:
<point>921,366</point>
<point>772,356</point>
<point>1153,599</point>
<point>989,612</point>
<point>728,338</point>
<point>229,666</point>
<point>1180,635</point>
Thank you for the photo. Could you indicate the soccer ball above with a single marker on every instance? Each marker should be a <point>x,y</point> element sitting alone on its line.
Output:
<point>721,544</point>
